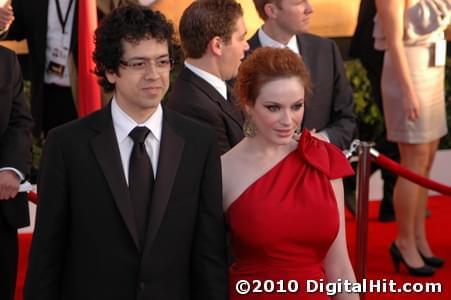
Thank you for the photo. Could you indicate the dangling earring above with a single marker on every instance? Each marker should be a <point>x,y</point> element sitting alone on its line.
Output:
<point>249,129</point>
<point>298,130</point>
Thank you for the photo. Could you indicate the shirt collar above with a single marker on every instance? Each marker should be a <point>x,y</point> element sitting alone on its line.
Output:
<point>123,123</point>
<point>213,80</point>
<point>267,41</point>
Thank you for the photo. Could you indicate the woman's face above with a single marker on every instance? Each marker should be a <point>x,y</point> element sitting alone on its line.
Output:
<point>278,110</point>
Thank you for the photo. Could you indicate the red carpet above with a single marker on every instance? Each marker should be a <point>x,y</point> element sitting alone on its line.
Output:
<point>380,236</point>
<point>379,262</point>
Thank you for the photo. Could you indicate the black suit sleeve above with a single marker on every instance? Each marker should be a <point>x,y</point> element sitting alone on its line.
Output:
<point>15,136</point>
<point>15,142</point>
<point>209,259</point>
<point>206,117</point>
<point>342,126</point>
<point>43,281</point>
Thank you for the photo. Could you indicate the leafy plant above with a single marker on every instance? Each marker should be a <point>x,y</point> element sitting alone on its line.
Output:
<point>370,122</point>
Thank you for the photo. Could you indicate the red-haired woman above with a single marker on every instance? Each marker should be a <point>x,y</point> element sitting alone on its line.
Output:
<point>283,198</point>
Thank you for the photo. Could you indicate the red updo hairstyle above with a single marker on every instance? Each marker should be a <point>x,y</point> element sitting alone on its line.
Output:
<point>264,65</point>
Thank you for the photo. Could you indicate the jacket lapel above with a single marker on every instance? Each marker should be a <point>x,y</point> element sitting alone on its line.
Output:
<point>303,49</point>
<point>307,58</point>
<point>171,150</point>
<point>106,150</point>
<point>254,43</point>
<point>228,107</point>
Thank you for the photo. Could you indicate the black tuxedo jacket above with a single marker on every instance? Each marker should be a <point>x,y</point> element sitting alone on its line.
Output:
<point>85,244</point>
<point>31,23</point>
<point>15,138</point>
<point>193,97</point>
<point>331,105</point>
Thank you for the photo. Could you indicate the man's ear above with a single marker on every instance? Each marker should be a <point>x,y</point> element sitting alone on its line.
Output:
<point>270,10</point>
<point>216,46</point>
<point>111,77</point>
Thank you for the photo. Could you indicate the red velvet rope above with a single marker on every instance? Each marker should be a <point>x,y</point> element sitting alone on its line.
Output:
<point>393,166</point>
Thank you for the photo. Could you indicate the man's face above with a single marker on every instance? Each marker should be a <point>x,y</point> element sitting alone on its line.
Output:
<point>233,51</point>
<point>293,16</point>
<point>143,76</point>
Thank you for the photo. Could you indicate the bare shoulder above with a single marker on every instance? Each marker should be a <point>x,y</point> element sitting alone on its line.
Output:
<point>235,170</point>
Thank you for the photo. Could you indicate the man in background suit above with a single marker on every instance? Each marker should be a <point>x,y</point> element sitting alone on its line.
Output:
<point>330,107</point>
<point>213,36</point>
<point>15,162</point>
<point>50,27</point>
<point>130,203</point>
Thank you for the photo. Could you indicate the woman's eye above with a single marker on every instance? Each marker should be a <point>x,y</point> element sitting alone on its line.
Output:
<point>272,108</point>
<point>298,106</point>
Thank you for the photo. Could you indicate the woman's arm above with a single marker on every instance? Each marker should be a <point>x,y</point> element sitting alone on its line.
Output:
<point>391,15</point>
<point>337,264</point>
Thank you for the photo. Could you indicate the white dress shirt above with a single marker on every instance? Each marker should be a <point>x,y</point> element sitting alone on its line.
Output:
<point>267,41</point>
<point>123,124</point>
<point>18,173</point>
<point>213,80</point>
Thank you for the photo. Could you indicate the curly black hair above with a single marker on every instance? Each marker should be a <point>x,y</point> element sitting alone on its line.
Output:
<point>131,23</point>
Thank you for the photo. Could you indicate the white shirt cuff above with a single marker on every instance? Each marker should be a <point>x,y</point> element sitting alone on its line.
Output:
<point>18,173</point>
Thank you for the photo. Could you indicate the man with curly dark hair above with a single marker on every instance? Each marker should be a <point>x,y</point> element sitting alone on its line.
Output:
<point>130,196</point>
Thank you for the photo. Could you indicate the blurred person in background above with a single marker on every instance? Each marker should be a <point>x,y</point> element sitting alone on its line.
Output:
<point>15,163</point>
<point>411,32</point>
<point>50,27</point>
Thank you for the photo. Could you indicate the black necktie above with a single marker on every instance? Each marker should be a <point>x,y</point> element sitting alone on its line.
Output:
<point>140,180</point>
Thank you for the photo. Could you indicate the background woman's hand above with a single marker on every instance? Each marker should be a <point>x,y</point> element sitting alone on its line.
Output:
<point>412,107</point>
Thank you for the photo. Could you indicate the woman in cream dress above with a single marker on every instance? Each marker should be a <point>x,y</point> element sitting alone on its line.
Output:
<point>412,34</point>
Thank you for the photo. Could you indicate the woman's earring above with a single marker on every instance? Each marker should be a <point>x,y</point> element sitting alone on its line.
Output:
<point>298,130</point>
<point>249,129</point>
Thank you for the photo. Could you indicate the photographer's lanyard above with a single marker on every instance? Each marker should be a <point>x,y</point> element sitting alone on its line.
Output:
<point>60,14</point>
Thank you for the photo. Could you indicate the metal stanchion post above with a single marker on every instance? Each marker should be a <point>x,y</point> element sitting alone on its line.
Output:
<point>363,180</point>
